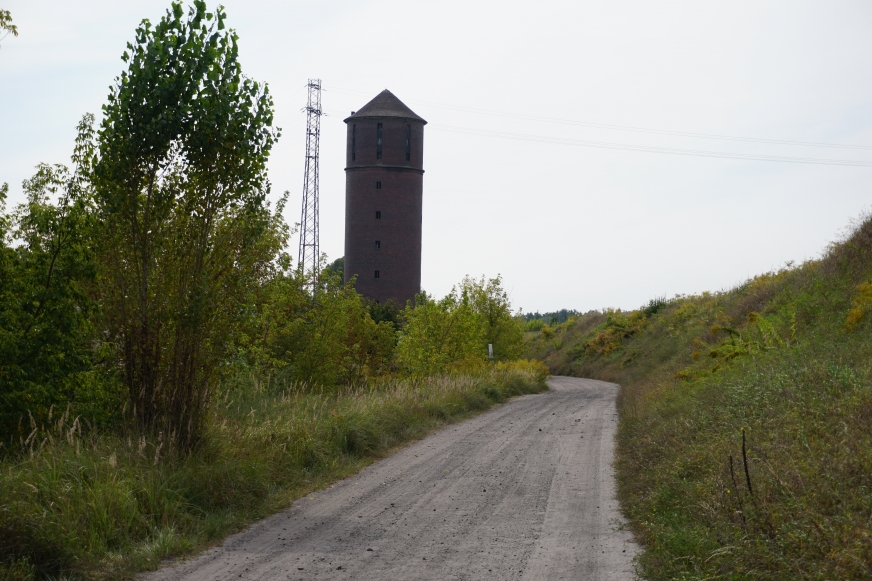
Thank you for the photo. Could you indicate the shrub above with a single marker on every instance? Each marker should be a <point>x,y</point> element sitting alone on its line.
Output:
<point>46,272</point>
<point>457,329</point>
<point>328,339</point>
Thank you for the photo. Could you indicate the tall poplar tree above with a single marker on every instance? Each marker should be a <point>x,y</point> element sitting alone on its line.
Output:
<point>186,231</point>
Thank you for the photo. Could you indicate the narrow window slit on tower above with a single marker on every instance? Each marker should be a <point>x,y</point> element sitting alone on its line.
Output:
<point>378,243</point>
<point>408,142</point>
<point>378,214</point>
<point>378,143</point>
<point>378,274</point>
<point>378,185</point>
<point>353,141</point>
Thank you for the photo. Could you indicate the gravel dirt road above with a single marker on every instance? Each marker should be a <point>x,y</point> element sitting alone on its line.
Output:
<point>525,491</point>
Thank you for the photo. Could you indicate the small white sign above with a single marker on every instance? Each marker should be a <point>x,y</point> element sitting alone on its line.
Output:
<point>490,351</point>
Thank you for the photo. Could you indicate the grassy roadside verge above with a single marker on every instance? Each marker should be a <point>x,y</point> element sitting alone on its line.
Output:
<point>104,507</point>
<point>744,448</point>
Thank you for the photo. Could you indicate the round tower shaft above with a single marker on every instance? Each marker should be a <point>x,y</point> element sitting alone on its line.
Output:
<point>384,199</point>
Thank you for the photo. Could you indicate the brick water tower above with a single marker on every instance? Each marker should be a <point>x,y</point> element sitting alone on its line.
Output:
<point>384,179</point>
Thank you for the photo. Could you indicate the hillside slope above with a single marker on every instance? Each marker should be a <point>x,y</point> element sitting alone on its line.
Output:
<point>745,443</point>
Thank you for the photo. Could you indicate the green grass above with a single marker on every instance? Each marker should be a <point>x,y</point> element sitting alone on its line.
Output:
<point>772,360</point>
<point>82,505</point>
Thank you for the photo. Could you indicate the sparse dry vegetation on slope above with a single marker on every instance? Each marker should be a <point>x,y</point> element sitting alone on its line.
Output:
<point>745,444</point>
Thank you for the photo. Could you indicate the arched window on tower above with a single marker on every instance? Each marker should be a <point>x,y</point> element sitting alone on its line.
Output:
<point>353,141</point>
<point>408,143</point>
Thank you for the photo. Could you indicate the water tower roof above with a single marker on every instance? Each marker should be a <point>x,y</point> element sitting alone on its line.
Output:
<point>385,104</point>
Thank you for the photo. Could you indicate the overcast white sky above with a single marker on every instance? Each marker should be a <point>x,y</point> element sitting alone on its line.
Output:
<point>567,226</point>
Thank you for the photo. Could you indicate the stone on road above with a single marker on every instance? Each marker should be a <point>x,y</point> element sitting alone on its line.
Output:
<point>525,491</point>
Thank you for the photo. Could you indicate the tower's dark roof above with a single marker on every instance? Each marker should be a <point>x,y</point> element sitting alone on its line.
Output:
<point>385,104</point>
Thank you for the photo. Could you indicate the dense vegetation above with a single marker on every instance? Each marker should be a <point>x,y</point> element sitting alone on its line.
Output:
<point>166,373</point>
<point>744,449</point>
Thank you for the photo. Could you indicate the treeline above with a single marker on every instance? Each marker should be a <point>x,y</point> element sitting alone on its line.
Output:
<point>538,321</point>
<point>139,278</point>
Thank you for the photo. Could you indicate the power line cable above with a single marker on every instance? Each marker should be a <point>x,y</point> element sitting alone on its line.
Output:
<point>622,127</point>
<point>642,148</point>
<point>651,149</point>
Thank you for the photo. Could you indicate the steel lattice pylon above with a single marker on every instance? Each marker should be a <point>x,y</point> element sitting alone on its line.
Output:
<point>309,252</point>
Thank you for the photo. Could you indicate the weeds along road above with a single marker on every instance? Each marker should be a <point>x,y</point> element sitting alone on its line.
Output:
<point>524,491</point>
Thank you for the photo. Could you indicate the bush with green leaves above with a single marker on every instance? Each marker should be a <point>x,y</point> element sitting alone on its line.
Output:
<point>322,339</point>
<point>46,275</point>
<point>457,329</point>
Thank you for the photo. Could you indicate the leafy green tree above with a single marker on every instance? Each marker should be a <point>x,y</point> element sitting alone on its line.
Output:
<point>186,234</point>
<point>388,311</point>
<point>46,271</point>
<point>6,26</point>
<point>438,334</point>
<point>456,330</point>
<point>490,303</point>
<point>336,268</point>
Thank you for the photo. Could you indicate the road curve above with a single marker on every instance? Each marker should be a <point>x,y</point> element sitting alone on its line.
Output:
<point>525,491</point>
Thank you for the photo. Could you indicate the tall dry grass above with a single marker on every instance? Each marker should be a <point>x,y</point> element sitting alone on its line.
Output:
<point>78,504</point>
